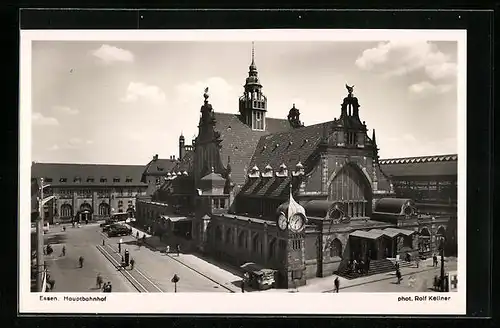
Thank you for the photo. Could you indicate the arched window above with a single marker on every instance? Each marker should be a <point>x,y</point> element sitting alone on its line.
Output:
<point>104,209</point>
<point>66,210</point>
<point>272,248</point>
<point>242,240</point>
<point>218,234</point>
<point>229,236</point>
<point>336,248</point>
<point>256,244</point>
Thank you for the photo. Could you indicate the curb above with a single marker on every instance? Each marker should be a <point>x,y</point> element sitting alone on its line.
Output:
<point>377,280</point>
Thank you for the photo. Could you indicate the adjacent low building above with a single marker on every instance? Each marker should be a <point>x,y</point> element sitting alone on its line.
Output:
<point>88,191</point>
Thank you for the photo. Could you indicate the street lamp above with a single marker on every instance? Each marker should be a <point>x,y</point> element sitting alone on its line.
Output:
<point>39,235</point>
<point>175,280</point>
<point>441,248</point>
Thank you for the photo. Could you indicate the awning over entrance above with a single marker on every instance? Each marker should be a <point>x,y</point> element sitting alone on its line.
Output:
<point>400,231</point>
<point>377,233</point>
<point>367,234</point>
<point>175,219</point>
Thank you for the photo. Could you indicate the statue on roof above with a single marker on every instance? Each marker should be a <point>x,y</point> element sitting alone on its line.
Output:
<point>350,89</point>
<point>206,95</point>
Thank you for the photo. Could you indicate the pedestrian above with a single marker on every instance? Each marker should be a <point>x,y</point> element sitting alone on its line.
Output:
<point>63,251</point>
<point>417,261</point>
<point>109,287</point>
<point>119,247</point>
<point>81,261</point>
<point>99,281</point>
<point>337,284</point>
<point>103,243</point>
<point>64,228</point>
<point>178,249</point>
<point>243,285</point>
<point>434,260</point>
<point>143,237</point>
<point>368,264</point>
<point>398,276</point>
<point>137,235</point>
<point>168,249</point>
<point>132,262</point>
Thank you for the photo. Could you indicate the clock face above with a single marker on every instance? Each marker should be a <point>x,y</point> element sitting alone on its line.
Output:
<point>297,223</point>
<point>282,222</point>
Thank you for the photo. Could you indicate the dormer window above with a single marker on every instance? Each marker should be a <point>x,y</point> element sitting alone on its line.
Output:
<point>185,173</point>
<point>63,180</point>
<point>104,180</point>
<point>268,171</point>
<point>351,138</point>
<point>116,179</point>
<point>90,180</point>
<point>283,171</point>
<point>77,180</point>
<point>128,179</point>
<point>159,168</point>
<point>254,172</point>
<point>299,169</point>
<point>48,180</point>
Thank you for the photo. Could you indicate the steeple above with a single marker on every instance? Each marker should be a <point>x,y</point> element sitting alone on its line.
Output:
<point>253,103</point>
<point>375,147</point>
<point>294,117</point>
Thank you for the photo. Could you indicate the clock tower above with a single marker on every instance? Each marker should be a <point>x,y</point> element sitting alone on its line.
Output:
<point>292,221</point>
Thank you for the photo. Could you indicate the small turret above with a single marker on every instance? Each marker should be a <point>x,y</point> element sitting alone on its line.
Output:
<point>182,148</point>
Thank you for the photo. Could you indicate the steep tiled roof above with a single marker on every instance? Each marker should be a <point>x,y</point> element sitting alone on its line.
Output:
<point>420,166</point>
<point>185,164</point>
<point>391,205</point>
<point>239,141</point>
<point>54,172</point>
<point>275,187</point>
<point>288,147</point>
<point>159,166</point>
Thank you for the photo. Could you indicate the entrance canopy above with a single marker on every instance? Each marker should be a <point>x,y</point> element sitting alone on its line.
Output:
<point>377,233</point>
<point>175,219</point>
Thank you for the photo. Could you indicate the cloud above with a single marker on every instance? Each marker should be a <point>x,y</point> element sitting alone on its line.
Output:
<point>397,58</point>
<point>39,119</point>
<point>109,54</point>
<point>66,110</point>
<point>426,88</point>
<point>139,90</point>
<point>408,146</point>
<point>54,147</point>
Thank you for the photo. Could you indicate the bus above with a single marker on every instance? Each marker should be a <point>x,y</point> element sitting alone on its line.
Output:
<point>120,217</point>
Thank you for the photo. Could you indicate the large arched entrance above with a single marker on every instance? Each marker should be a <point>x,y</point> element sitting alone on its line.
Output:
<point>424,242</point>
<point>85,213</point>
<point>351,187</point>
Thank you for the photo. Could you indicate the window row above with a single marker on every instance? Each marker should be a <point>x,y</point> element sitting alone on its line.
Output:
<point>90,180</point>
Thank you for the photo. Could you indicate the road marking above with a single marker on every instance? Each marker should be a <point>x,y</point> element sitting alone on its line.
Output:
<point>135,269</point>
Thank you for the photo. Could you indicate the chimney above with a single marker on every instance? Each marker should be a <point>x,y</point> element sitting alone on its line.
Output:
<point>155,157</point>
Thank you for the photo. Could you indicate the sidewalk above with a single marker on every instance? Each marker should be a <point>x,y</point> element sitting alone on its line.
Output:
<point>208,270</point>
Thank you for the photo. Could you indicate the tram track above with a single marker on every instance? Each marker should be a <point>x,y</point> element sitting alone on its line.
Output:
<point>138,279</point>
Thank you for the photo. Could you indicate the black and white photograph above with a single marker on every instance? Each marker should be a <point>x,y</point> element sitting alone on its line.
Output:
<point>201,171</point>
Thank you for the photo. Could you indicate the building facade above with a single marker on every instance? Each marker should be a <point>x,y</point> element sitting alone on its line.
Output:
<point>89,191</point>
<point>303,200</point>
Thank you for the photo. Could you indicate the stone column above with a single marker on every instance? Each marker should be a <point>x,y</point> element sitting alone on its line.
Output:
<point>75,209</point>
<point>95,209</point>
<point>249,236</point>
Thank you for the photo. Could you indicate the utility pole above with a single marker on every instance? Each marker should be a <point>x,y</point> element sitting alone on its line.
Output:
<point>39,240</point>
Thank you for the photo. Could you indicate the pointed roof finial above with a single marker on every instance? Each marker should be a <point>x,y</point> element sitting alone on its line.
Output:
<point>253,52</point>
<point>373,137</point>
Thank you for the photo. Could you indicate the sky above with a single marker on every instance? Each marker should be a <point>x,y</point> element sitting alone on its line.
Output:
<point>123,102</point>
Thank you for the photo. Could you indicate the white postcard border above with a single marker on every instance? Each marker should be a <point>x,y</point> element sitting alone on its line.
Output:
<point>237,303</point>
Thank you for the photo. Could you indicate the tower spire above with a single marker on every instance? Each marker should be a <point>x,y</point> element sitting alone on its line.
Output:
<point>253,53</point>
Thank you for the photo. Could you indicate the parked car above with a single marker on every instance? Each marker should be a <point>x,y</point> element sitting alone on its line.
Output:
<point>119,230</point>
<point>107,227</point>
